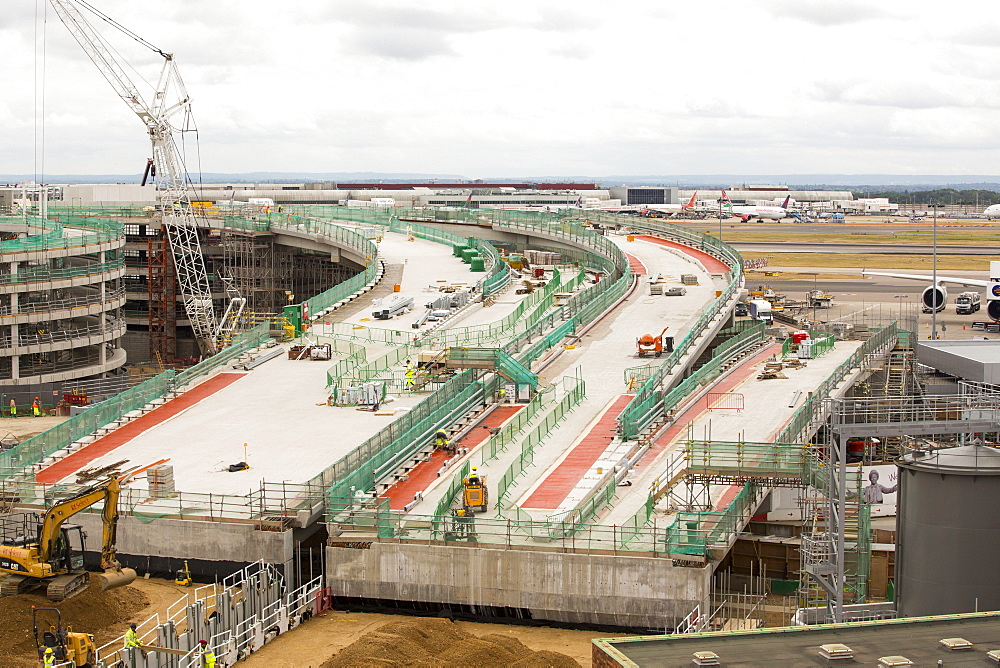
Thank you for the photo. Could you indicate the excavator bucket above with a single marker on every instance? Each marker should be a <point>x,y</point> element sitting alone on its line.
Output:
<point>112,579</point>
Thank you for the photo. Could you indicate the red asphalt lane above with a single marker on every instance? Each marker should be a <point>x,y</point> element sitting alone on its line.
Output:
<point>556,487</point>
<point>690,414</point>
<point>119,437</point>
<point>636,265</point>
<point>424,473</point>
<point>712,264</point>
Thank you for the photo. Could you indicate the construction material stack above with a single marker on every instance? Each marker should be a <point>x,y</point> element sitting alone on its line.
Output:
<point>161,481</point>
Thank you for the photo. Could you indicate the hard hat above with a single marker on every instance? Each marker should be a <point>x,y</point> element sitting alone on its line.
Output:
<point>203,642</point>
<point>474,469</point>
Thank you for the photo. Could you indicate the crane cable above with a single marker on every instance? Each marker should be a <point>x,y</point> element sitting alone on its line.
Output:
<point>125,31</point>
<point>110,21</point>
<point>39,96</point>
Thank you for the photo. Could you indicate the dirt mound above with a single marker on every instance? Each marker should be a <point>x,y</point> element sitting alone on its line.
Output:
<point>545,659</point>
<point>439,642</point>
<point>104,614</point>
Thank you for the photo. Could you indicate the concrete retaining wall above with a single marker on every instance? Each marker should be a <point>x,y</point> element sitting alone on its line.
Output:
<point>212,548</point>
<point>627,591</point>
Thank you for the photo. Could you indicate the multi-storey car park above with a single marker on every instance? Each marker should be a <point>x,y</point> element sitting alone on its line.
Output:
<point>61,299</point>
<point>616,485</point>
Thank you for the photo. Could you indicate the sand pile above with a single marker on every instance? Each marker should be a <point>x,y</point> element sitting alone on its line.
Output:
<point>439,642</point>
<point>104,614</point>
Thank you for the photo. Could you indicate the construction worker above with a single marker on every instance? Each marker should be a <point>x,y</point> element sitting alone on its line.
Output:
<point>49,657</point>
<point>503,394</point>
<point>36,408</point>
<point>13,408</point>
<point>132,637</point>
<point>441,440</point>
<point>410,375</point>
<point>474,476</point>
<point>207,655</point>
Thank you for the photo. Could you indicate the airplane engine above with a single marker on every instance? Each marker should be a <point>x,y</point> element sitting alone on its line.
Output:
<point>934,298</point>
<point>993,310</point>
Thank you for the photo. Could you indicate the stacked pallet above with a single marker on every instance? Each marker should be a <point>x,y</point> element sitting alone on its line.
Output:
<point>161,481</point>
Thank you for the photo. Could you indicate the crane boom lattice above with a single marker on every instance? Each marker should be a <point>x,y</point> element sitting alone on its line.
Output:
<point>178,219</point>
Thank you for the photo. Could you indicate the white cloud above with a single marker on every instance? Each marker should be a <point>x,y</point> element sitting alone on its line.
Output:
<point>528,88</point>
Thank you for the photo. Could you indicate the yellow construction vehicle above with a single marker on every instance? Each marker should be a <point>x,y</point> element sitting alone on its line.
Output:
<point>44,551</point>
<point>475,494</point>
<point>183,577</point>
<point>78,649</point>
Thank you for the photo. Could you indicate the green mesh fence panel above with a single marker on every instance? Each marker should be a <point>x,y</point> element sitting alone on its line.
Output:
<point>443,508</point>
<point>33,450</point>
<point>381,453</point>
<point>499,441</point>
<point>51,234</point>
<point>799,425</point>
<point>574,395</point>
<point>648,405</point>
<point>241,343</point>
<point>50,274</point>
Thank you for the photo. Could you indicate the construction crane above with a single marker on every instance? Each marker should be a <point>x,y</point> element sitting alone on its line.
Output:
<point>44,551</point>
<point>169,99</point>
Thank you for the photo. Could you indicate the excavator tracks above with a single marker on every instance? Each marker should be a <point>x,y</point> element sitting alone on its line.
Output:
<point>16,584</point>
<point>66,586</point>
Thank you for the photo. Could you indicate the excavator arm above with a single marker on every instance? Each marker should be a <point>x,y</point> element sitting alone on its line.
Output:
<point>49,532</point>
<point>52,521</point>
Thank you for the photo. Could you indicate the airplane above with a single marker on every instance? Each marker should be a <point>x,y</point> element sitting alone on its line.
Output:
<point>992,211</point>
<point>935,296</point>
<point>670,209</point>
<point>746,213</point>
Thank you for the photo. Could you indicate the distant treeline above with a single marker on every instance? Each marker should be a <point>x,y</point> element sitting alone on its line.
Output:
<point>944,196</point>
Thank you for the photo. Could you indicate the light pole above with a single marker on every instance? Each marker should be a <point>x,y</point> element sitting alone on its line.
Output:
<point>814,295</point>
<point>720,220</point>
<point>934,310</point>
<point>900,298</point>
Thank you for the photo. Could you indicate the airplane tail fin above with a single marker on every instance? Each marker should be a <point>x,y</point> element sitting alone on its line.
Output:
<point>725,199</point>
<point>784,205</point>
<point>691,201</point>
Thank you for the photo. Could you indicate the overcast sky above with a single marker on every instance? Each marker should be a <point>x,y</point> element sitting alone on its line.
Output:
<point>522,88</point>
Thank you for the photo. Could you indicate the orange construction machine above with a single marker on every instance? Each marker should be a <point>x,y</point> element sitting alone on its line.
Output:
<point>647,344</point>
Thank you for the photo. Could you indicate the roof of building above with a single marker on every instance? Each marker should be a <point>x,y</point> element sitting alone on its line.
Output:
<point>971,360</point>
<point>918,639</point>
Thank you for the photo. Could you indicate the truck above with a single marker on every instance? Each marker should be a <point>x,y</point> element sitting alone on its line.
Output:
<point>760,309</point>
<point>967,302</point>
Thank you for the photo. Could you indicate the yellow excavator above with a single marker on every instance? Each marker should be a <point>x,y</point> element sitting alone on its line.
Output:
<point>44,551</point>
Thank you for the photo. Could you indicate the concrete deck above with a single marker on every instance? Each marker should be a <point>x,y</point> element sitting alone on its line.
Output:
<point>278,410</point>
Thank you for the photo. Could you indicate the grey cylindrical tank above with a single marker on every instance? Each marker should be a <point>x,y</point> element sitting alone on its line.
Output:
<point>948,531</point>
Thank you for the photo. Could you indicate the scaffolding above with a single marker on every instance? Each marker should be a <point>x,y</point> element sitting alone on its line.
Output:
<point>249,260</point>
<point>162,287</point>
